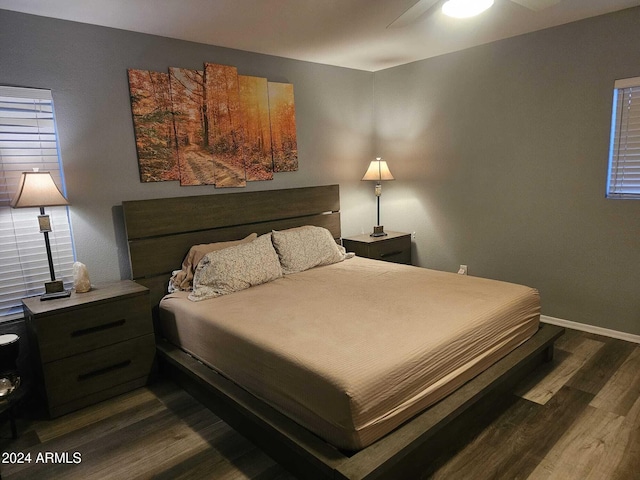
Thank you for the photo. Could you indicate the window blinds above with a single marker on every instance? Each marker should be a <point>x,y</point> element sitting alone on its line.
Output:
<point>624,154</point>
<point>28,139</point>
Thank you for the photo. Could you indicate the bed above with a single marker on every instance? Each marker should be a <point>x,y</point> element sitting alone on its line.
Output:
<point>320,409</point>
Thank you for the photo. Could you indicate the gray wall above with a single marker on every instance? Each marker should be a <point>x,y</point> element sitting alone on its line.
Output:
<point>86,69</point>
<point>500,159</point>
<point>499,152</point>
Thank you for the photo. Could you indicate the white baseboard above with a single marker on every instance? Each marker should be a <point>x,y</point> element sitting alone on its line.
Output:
<point>629,337</point>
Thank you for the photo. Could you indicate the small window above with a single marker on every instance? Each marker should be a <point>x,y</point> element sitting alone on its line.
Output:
<point>624,151</point>
<point>28,140</point>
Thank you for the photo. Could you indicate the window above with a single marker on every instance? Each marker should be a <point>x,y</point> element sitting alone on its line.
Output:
<point>28,140</point>
<point>624,152</point>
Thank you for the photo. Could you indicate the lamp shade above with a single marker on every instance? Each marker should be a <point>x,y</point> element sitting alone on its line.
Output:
<point>378,170</point>
<point>37,189</point>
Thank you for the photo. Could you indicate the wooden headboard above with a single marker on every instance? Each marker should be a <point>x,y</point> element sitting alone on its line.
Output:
<point>161,231</point>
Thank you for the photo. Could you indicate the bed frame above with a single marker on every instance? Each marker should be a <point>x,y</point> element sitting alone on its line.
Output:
<point>160,233</point>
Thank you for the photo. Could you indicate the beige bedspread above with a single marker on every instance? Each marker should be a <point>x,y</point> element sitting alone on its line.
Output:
<point>353,350</point>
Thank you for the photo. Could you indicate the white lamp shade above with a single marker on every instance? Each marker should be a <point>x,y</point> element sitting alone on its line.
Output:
<point>37,189</point>
<point>378,170</point>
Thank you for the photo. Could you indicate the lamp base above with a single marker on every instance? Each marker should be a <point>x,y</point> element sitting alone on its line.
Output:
<point>54,286</point>
<point>54,289</point>
<point>54,295</point>
<point>378,231</point>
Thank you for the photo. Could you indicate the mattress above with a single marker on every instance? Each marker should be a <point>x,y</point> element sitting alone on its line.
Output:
<point>354,349</point>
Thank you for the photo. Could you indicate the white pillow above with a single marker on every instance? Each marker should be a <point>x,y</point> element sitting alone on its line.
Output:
<point>302,248</point>
<point>236,268</point>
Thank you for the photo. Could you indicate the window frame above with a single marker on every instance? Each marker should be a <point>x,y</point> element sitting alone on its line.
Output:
<point>29,139</point>
<point>618,165</point>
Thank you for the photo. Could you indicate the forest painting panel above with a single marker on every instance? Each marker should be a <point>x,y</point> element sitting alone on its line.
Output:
<point>153,125</point>
<point>226,129</point>
<point>191,125</point>
<point>254,104</point>
<point>212,126</point>
<point>283,127</point>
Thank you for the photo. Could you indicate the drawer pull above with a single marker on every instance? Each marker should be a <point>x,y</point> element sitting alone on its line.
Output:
<point>102,371</point>
<point>98,328</point>
<point>390,254</point>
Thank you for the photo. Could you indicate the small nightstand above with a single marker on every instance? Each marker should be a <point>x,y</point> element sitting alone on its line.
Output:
<point>91,346</point>
<point>394,247</point>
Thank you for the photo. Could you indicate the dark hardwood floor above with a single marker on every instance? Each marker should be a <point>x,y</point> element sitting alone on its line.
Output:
<point>577,417</point>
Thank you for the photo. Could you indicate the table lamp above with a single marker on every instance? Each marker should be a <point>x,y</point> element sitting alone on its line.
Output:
<point>37,189</point>
<point>378,171</point>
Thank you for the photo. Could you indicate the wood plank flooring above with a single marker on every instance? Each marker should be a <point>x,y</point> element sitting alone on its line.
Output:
<point>577,417</point>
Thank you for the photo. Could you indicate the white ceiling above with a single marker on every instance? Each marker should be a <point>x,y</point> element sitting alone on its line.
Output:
<point>347,33</point>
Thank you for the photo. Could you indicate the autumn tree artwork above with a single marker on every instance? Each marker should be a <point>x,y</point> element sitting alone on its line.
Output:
<point>254,104</point>
<point>212,126</point>
<point>191,127</point>
<point>226,129</point>
<point>282,113</point>
<point>152,111</point>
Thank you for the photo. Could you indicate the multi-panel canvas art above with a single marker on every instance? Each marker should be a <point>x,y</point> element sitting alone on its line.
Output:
<point>212,126</point>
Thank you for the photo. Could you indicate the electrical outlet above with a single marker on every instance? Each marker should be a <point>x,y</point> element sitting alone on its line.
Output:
<point>413,235</point>
<point>463,270</point>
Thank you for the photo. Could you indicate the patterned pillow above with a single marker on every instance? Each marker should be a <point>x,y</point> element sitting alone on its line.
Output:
<point>183,279</point>
<point>302,248</point>
<point>236,268</point>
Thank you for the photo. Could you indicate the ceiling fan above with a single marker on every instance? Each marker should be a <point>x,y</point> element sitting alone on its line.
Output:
<point>423,7</point>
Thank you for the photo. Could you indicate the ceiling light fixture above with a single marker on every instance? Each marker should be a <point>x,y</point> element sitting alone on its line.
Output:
<point>465,8</point>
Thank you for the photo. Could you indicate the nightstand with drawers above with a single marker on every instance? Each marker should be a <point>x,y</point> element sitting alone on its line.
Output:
<point>91,346</point>
<point>393,247</point>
